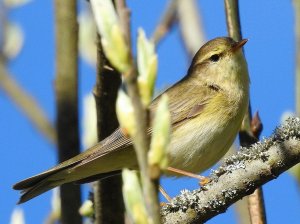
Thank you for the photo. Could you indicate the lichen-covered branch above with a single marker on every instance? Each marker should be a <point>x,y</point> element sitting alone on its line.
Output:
<point>239,176</point>
<point>66,87</point>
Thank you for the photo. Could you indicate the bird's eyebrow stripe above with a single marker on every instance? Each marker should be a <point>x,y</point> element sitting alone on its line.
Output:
<point>216,52</point>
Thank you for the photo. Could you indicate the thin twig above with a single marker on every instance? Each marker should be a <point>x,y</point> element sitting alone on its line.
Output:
<point>257,213</point>
<point>51,219</point>
<point>239,176</point>
<point>241,206</point>
<point>27,104</point>
<point>297,30</point>
<point>141,145</point>
<point>166,22</point>
<point>3,22</point>
<point>233,19</point>
<point>242,211</point>
<point>124,14</point>
<point>256,207</point>
<point>256,203</point>
<point>66,85</point>
<point>140,140</point>
<point>109,206</point>
<point>296,169</point>
<point>190,25</point>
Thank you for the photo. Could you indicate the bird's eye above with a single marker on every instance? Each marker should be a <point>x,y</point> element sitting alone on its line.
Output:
<point>214,57</point>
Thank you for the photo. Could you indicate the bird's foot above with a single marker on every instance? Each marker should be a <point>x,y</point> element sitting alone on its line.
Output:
<point>202,179</point>
<point>165,194</point>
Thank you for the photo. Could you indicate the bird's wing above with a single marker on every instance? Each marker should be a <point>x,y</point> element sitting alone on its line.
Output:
<point>183,105</point>
<point>187,104</point>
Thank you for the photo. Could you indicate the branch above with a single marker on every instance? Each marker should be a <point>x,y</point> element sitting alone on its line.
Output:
<point>190,25</point>
<point>233,19</point>
<point>239,176</point>
<point>109,206</point>
<point>296,170</point>
<point>242,211</point>
<point>27,104</point>
<point>247,137</point>
<point>67,101</point>
<point>141,144</point>
<point>124,14</point>
<point>140,140</point>
<point>21,98</point>
<point>256,206</point>
<point>297,84</point>
<point>166,23</point>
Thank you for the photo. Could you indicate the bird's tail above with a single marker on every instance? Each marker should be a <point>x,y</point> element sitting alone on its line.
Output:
<point>40,183</point>
<point>104,159</point>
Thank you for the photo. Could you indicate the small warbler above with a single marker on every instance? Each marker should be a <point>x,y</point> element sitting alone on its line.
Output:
<point>207,108</point>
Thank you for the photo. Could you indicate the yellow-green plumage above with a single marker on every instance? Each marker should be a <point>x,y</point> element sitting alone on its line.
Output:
<point>207,107</point>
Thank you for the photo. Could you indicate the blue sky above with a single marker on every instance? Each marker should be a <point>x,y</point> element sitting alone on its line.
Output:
<point>270,53</point>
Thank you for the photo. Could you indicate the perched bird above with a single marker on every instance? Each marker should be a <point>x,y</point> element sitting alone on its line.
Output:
<point>207,107</point>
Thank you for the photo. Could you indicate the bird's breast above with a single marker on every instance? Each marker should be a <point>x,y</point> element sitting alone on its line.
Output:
<point>202,141</point>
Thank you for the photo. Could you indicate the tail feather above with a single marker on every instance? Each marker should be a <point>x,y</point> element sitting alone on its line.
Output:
<point>96,177</point>
<point>38,184</point>
<point>38,189</point>
<point>34,180</point>
<point>98,162</point>
<point>41,184</point>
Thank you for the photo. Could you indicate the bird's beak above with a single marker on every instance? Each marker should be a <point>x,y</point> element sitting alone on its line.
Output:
<point>239,44</point>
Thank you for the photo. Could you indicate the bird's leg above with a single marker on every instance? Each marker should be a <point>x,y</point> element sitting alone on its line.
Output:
<point>202,179</point>
<point>165,194</point>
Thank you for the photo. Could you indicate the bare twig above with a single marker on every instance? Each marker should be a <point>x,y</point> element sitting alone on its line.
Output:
<point>109,207</point>
<point>141,145</point>
<point>27,104</point>
<point>140,140</point>
<point>67,101</point>
<point>166,22</point>
<point>297,24</point>
<point>241,206</point>
<point>256,203</point>
<point>3,22</point>
<point>241,174</point>
<point>242,211</point>
<point>296,169</point>
<point>233,19</point>
<point>190,26</point>
<point>51,219</point>
<point>257,213</point>
<point>124,14</point>
<point>256,207</point>
<point>21,98</point>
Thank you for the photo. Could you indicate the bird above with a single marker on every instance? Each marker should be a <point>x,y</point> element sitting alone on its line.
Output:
<point>207,107</point>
